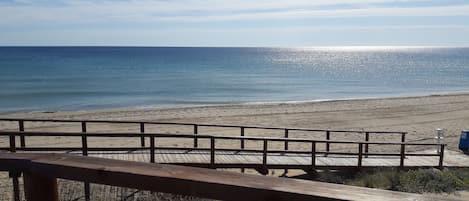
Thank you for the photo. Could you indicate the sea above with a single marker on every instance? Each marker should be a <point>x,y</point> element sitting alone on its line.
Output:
<point>49,79</point>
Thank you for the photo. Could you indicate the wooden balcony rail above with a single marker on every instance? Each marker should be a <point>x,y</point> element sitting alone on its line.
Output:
<point>42,170</point>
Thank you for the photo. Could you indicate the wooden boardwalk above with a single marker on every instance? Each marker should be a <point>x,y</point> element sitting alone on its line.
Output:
<point>240,159</point>
<point>261,159</point>
<point>211,151</point>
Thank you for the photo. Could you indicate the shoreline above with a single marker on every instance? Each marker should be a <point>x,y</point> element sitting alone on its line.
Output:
<point>254,103</point>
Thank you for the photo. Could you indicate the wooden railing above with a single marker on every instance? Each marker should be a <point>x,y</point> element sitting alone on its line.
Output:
<point>196,127</point>
<point>84,148</point>
<point>42,170</point>
<point>213,149</point>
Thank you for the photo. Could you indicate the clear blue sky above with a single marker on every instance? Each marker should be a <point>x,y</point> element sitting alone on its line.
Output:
<point>235,22</point>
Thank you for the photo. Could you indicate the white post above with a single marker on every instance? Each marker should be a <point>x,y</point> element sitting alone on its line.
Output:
<point>439,138</point>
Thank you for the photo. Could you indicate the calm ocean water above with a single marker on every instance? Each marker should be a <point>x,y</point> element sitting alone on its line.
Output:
<point>81,78</point>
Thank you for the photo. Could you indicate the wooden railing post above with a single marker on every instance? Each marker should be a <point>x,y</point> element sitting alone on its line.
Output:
<point>403,137</point>
<point>142,138</point>
<point>212,152</point>
<point>16,185</point>
<point>84,146</point>
<point>313,154</point>
<point>285,171</point>
<point>14,176</point>
<point>152,149</point>
<point>40,188</point>
<point>242,142</point>
<point>87,191</point>
<point>264,154</point>
<point>196,144</point>
<point>360,154</point>
<point>242,135</point>
<point>367,139</point>
<point>401,165</point>
<point>440,163</point>
<point>84,141</point>
<point>12,143</point>
<point>22,137</point>
<point>286,142</point>
<point>328,137</point>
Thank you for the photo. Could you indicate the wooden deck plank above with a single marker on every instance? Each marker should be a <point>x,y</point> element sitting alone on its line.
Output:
<point>452,158</point>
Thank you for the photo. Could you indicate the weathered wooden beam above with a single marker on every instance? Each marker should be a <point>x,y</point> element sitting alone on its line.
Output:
<point>198,182</point>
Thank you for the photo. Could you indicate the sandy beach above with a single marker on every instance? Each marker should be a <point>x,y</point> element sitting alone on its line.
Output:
<point>419,116</point>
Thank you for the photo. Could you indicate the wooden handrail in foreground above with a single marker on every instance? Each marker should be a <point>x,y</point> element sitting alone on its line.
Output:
<point>41,171</point>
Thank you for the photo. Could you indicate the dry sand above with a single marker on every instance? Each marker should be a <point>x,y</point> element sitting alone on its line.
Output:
<point>419,116</point>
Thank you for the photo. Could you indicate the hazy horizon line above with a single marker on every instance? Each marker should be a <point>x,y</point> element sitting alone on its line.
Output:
<point>229,46</point>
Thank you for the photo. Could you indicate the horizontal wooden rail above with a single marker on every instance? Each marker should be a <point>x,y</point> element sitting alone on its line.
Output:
<point>193,124</point>
<point>196,127</point>
<point>164,135</point>
<point>42,170</point>
<point>116,150</point>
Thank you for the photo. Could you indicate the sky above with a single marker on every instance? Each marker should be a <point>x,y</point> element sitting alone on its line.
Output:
<point>269,23</point>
